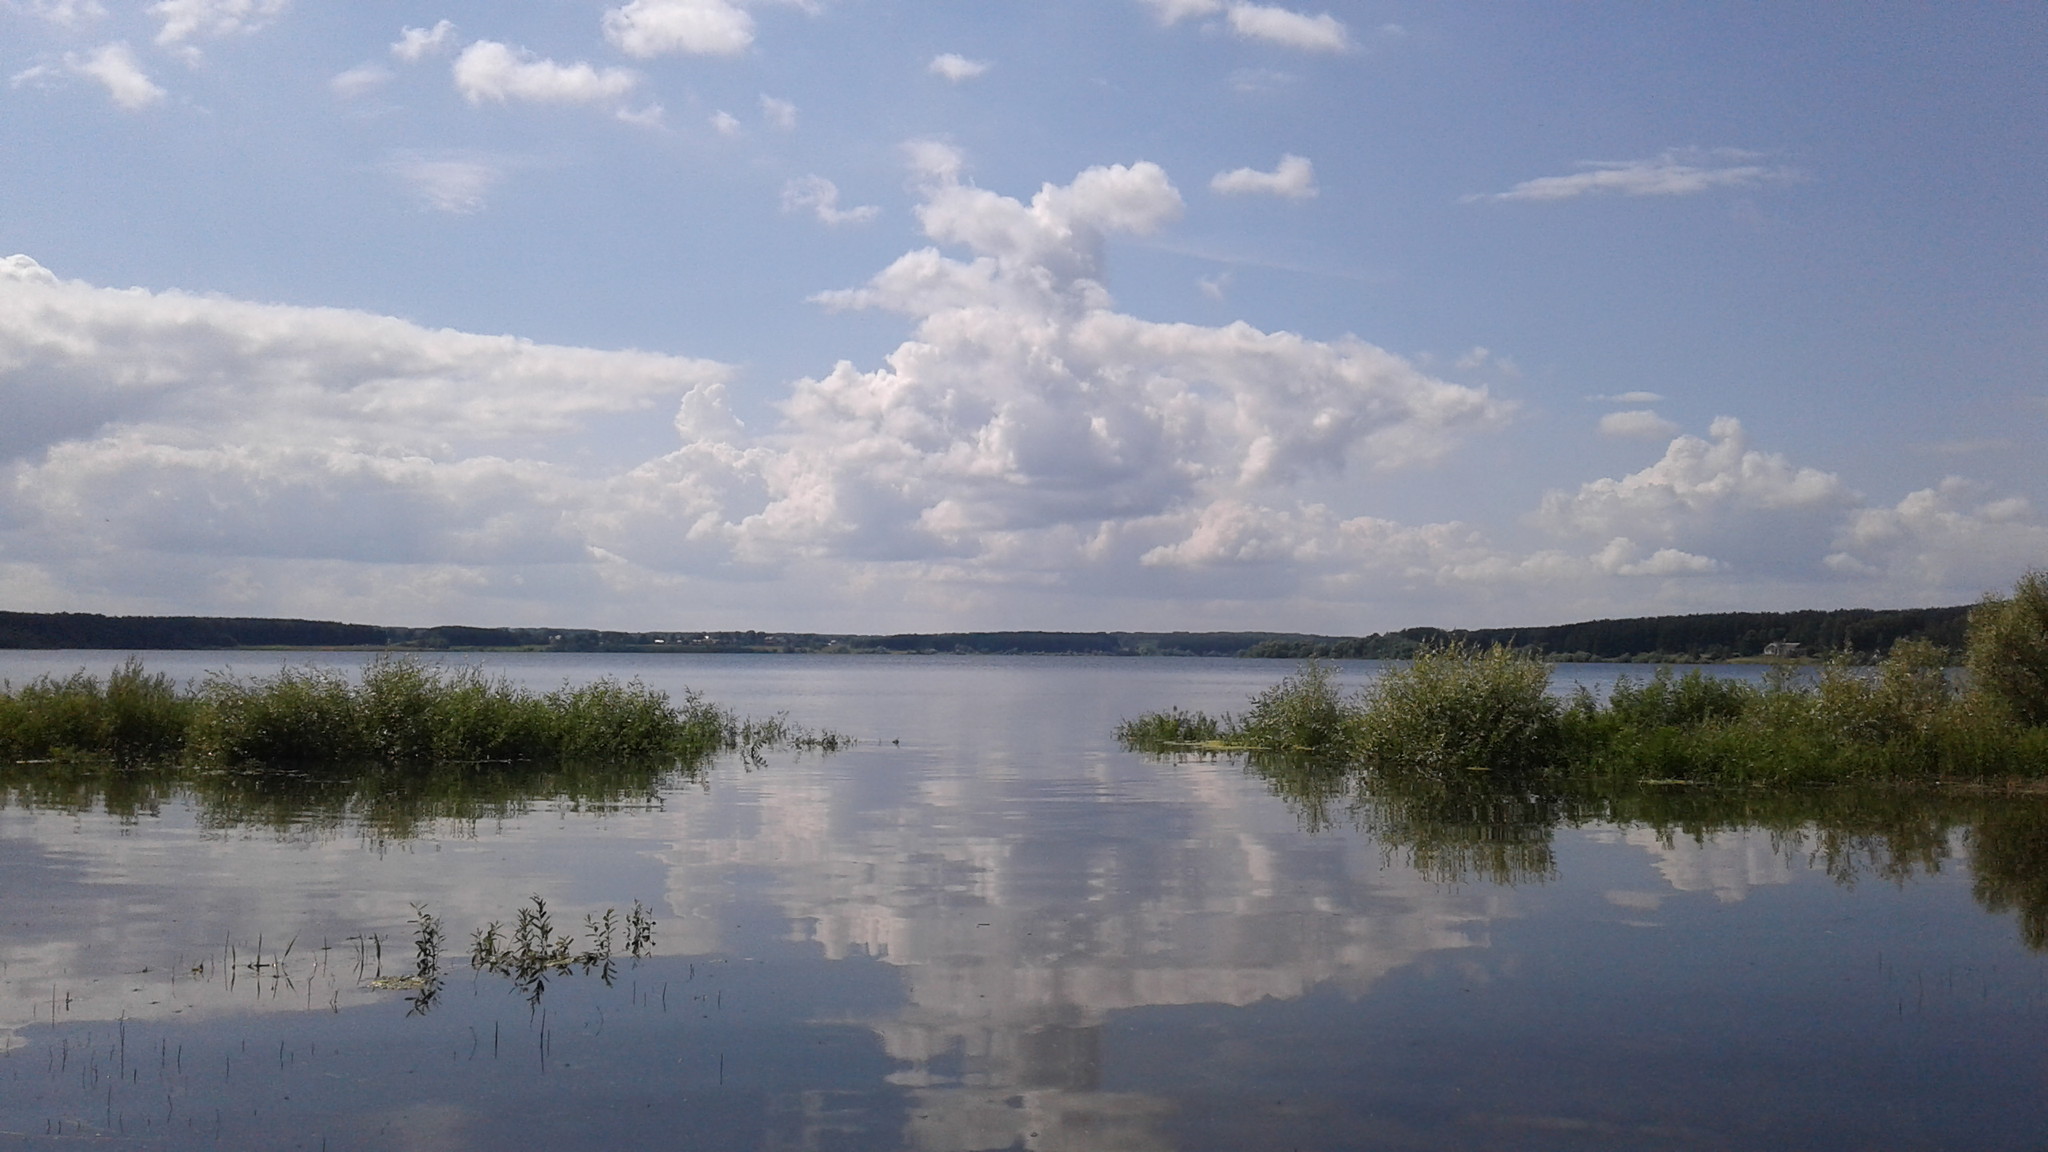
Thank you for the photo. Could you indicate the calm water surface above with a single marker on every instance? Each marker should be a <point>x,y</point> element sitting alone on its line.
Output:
<point>987,927</point>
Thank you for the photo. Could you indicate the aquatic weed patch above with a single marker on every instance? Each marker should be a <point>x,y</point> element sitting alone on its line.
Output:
<point>1456,709</point>
<point>398,711</point>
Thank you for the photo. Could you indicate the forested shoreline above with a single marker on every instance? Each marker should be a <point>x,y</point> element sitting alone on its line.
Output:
<point>1700,638</point>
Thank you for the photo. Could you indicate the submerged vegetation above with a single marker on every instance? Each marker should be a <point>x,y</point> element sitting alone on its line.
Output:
<point>398,712</point>
<point>1455,709</point>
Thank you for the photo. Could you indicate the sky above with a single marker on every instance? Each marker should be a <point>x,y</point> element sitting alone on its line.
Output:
<point>866,316</point>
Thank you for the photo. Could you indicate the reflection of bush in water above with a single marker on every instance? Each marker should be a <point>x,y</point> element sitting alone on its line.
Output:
<point>1500,829</point>
<point>2009,854</point>
<point>1452,826</point>
<point>381,801</point>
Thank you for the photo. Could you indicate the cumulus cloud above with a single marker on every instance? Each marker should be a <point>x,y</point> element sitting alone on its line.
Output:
<point>956,68</point>
<point>457,184</point>
<point>490,71</point>
<point>1621,557</point>
<point>647,28</point>
<point>1637,424</point>
<point>820,197</point>
<point>165,422</point>
<point>1677,172</point>
<point>1294,179</point>
<point>1028,426</point>
<point>1028,451</point>
<point>724,123</point>
<point>187,19</point>
<point>1957,533</point>
<point>1717,497</point>
<point>115,68</point>
<point>1290,29</point>
<point>415,44</point>
<point>780,113</point>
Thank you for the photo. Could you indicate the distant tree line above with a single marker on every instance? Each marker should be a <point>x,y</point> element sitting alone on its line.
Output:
<point>1706,637</point>
<point>1698,638</point>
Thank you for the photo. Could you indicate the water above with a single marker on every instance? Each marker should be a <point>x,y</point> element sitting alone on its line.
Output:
<point>987,927</point>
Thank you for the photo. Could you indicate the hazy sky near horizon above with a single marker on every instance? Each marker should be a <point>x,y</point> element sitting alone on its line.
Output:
<point>859,316</point>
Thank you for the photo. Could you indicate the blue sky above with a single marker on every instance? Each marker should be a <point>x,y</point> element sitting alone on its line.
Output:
<point>854,315</point>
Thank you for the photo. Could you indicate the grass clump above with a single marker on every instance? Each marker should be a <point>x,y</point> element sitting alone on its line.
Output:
<point>398,711</point>
<point>1171,728</point>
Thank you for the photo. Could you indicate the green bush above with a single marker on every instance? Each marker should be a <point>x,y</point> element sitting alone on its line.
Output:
<point>2008,652</point>
<point>133,716</point>
<point>1665,700</point>
<point>1456,709</point>
<point>1159,731</point>
<point>1304,713</point>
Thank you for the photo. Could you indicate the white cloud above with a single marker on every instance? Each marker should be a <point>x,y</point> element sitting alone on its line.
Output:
<point>1621,557</point>
<point>488,70</point>
<point>646,28</point>
<point>650,116</point>
<point>1677,172</point>
<point>1215,286</point>
<point>1715,497</point>
<point>820,197</point>
<point>1294,179</point>
<point>456,184</point>
<point>1628,398</point>
<point>1174,11</point>
<point>1290,29</point>
<point>780,113</point>
<point>414,44</point>
<point>934,161</point>
<point>64,13</point>
<point>359,81</point>
<point>179,424</point>
<point>186,19</point>
<point>1637,424</point>
<point>1955,534</point>
<point>37,74</point>
<point>956,68</point>
<point>724,123</point>
<point>117,70</point>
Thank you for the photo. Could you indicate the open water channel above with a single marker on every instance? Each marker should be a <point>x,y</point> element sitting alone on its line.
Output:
<point>987,927</point>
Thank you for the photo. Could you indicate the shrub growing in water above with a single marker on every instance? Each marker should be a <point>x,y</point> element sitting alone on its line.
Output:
<point>134,716</point>
<point>1303,713</point>
<point>1453,708</point>
<point>2008,651</point>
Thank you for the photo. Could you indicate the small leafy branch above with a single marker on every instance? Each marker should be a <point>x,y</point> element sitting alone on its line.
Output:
<point>535,951</point>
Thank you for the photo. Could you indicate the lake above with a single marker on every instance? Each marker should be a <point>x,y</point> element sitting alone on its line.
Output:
<point>986,926</point>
